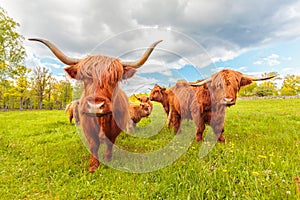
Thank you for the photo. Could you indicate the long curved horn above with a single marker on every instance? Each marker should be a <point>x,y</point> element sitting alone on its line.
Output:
<point>143,59</point>
<point>135,96</point>
<point>258,79</point>
<point>202,82</point>
<point>58,53</point>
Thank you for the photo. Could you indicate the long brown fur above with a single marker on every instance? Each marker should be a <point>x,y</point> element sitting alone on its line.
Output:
<point>203,104</point>
<point>183,105</point>
<point>72,109</point>
<point>160,94</point>
<point>101,75</point>
<point>225,84</point>
<point>146,99</point>
<point>138,111</point>
<point>103,106</point>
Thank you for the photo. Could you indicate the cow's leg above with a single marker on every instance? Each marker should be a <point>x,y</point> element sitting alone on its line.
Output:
<point>198,120</point>
<point>108,151</point>
<point>218,130</point>
<point>217,123</point>
<point>110,141</point>
<point>176,122</point>
<point>70,116</point>
<point>169,123</point>
<point>169,117</point>
<point>91,130</point>
<point>94,160</point>
<point>101,136</point>
<point>200,130</point>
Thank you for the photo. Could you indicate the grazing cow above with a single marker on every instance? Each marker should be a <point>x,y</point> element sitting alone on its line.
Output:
<point>72,109</point>
<point>214,95</point>
<point>103,107</point>
<point>138,111</point>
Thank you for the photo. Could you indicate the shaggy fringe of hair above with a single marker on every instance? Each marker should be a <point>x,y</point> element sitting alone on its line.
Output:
<point>226,76</point>
<point>106,70</point>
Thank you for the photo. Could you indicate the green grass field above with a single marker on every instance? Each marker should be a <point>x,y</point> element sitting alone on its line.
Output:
<point>43,157</point>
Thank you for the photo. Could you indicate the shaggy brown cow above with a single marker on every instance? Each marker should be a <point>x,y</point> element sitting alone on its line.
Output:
<point>100,75</point>
<point>214,95</point>
<point>183,104</point>
<point>145,99</point>
<point>160,94</point>
<point>72,109</point>
<point>206,103</point>
<point>165,96</point>
<point>138,111</point>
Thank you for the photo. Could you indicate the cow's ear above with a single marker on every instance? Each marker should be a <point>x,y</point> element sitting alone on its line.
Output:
<point>72,71</point>
<point>245,81</point>
<point>128,72</point>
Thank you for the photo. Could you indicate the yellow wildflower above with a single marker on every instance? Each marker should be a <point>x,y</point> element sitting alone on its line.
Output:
<point>255,173</point>
<point>262,156</point>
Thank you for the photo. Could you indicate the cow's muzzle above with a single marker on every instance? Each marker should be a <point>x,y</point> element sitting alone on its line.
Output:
<point>97,109</point>
<point>228,101</point>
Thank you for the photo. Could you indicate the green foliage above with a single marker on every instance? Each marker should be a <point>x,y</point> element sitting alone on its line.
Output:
<point>266,89</point>
<point>290,86</point>
<point>40,80</point>
<point>12,52</point>
<point>248,90</point>
<point>42,157</point>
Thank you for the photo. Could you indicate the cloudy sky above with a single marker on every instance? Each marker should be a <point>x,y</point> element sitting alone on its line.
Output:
<point>199,36</point>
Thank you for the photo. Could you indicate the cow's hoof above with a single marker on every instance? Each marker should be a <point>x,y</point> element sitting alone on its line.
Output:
<point>92,169</point>
<point>199,138</point>
<point>221,139</point>
<point>93,166</point>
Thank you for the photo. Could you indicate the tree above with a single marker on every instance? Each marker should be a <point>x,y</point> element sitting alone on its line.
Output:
<point>267,88</point>
<point>248,90</point>
<point>12,53</point>
<point>290,86</point>
<point>40,79</point>
<point>50,88</point>
<point>63,94</point>
<point>22,83</point>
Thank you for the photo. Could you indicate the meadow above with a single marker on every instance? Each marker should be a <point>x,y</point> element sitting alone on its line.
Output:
<point>43,157</point>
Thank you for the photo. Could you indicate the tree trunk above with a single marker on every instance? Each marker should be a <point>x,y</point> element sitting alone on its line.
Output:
<point>21,103</point>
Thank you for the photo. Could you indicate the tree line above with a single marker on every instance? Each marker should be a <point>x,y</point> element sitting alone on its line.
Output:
<point>290,87</point>
<point>22,87</point>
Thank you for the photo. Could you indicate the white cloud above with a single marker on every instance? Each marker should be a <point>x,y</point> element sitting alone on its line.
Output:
<point>194,32</point>
<point>57,66</point>
<point>272,60</point>
<point>242,69</point>
<point>258,62</point>
<point>288,58</point>
<point>137,84</point>
<point>288,69</point>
